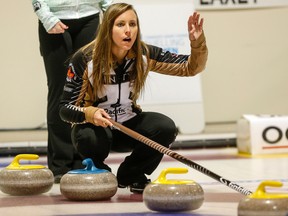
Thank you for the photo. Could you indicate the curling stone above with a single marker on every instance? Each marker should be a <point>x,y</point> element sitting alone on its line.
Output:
<point>29,179</point>
<point>173,195</point>
<point>261,203</point>
<point>89,183</point>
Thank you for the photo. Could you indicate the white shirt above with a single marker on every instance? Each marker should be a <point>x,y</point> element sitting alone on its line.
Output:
<point>50,12</point>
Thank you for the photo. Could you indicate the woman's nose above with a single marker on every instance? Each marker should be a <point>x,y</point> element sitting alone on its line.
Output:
<point>127,29</point>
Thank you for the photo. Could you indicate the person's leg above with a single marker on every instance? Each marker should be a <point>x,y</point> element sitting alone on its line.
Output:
<point>93,142</point>
<point>85,31</point>
<point>144,159</point>
<point>61,153</point>
<point>80,32</point>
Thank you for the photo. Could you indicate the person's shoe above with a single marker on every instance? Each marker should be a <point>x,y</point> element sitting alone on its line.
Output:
<point>57,178</point>
<point>136,187</point>
<point>102,166</point>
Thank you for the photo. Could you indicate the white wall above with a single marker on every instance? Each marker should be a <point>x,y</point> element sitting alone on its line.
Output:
<point>247,70</point>
<point>23,86</point>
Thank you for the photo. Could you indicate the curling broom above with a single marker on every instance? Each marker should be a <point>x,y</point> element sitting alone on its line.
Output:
<point>182,159</point>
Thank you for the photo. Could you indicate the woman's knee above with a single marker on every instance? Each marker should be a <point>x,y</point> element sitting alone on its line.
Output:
<point>162,128</point>
<point>81,135</point>
<point>91,141</point>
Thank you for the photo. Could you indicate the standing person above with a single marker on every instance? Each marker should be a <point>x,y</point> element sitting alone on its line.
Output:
<point>105,79</point>
<point>64,27</point>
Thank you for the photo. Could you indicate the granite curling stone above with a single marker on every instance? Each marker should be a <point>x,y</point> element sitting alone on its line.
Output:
<point>261,203</point>
<point>165,195</point>
<point>28,179</point>
<point>88,184</point>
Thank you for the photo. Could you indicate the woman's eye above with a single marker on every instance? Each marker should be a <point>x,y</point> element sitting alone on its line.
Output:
<point>120,24</point>
<point>132,24</point>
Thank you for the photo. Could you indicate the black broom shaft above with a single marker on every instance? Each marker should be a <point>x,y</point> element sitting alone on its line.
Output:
<point>182,159</point>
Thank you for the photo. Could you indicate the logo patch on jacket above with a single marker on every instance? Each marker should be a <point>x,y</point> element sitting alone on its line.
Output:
<point>70,74</point>
<point>36,6</point>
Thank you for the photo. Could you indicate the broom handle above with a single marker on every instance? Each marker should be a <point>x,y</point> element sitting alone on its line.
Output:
<point>182,159</point>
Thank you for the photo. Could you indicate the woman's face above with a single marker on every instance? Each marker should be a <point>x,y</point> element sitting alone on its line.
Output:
<point>125,30</point>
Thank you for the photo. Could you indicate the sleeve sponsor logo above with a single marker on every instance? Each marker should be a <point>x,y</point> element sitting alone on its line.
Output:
<point>36,6</point>
<point>70,74</point>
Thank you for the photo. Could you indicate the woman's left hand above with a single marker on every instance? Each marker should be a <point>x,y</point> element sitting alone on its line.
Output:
<point>195,26</point>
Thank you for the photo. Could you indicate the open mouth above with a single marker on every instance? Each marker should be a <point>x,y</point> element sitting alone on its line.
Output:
<point>128,39</point>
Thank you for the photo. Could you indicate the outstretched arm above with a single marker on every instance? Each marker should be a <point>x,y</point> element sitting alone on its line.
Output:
<point>176,64</point>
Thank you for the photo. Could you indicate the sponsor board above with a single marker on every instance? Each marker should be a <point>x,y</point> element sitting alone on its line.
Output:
<point>237,4</point>
<point>262,134</point>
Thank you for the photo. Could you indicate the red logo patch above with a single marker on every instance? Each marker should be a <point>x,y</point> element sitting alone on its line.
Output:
<point>70,73</point>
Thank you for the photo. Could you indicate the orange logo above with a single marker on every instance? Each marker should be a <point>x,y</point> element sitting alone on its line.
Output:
<point>70,73</point>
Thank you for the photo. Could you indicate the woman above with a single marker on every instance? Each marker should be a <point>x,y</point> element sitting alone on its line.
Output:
<point>64,27</point>
<point>105,79</point>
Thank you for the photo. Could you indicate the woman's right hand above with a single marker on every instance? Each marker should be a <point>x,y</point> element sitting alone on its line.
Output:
<point>58,28</point>
<point>100,118</point>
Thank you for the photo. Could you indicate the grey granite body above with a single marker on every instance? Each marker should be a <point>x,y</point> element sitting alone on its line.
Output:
<point>26,182</point>
<point>88,186</point>
<point>263,207</point>
<point>173,197</point>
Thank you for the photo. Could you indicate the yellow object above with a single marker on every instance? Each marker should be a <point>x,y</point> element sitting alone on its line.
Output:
<point>16,166</point>
<point>261,192</point>
<point>163,180</point>
<point>278,155</point>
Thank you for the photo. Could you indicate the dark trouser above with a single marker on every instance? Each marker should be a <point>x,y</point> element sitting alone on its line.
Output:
<point>96,143</point>
<point>56,49</point>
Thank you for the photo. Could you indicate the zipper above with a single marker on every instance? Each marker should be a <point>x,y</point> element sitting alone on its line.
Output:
<point>120,71</point>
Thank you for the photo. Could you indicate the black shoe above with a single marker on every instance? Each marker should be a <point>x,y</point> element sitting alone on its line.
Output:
<point>102,166</point>
<point>57,179</point>
<point>137,187</point>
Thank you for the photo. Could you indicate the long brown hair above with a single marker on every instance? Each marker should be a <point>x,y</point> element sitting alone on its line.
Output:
<point>102,52</point>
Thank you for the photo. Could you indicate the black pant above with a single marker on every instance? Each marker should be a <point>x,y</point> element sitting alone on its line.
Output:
<point>96,143</point>
<point>55,50</point>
